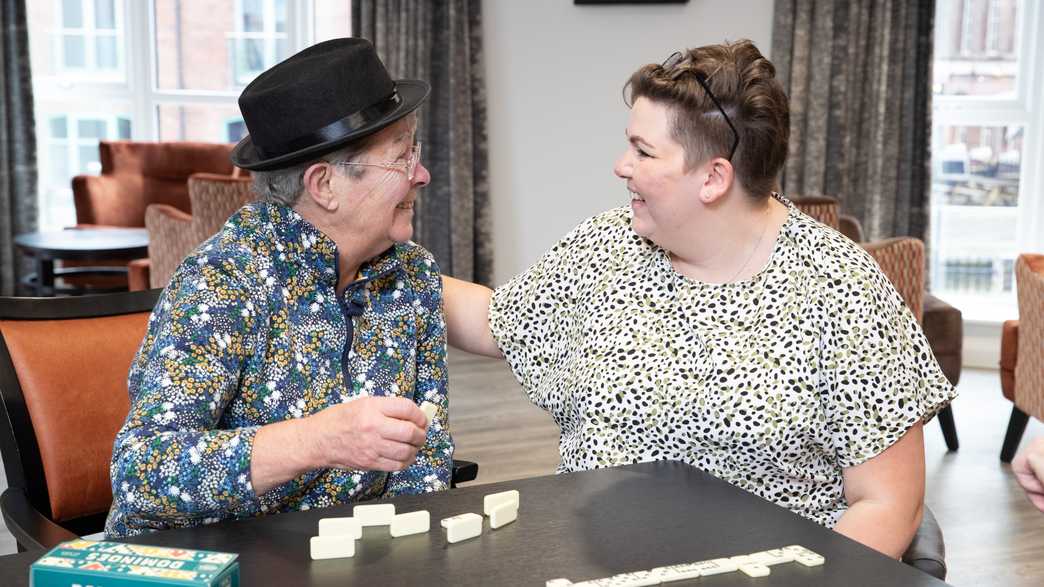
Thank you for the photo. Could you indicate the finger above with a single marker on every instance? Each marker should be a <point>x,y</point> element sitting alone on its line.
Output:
<point>389,465</point>
<point>398,452</point>
<point>1030,482</point>
<point>403,409</point>
<point>402,431</point>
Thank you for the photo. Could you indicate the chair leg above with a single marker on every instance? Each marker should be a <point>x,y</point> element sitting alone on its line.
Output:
<point>1016,426</point>
<point>949,429</point>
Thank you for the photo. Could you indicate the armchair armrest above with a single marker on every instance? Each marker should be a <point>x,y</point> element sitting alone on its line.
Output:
<point>31,529</point>
<point>463,471</point>
<point>850,227</point>
<point>927,551</point>
<point>138,274</point>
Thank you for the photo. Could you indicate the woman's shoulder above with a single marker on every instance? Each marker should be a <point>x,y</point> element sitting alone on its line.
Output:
<point>830,254</point>
<point>604,232</point>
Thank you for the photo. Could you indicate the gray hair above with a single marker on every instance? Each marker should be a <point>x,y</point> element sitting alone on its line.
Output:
<point>285,186</point>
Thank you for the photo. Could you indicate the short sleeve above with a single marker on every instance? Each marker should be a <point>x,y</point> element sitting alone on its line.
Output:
<point>880,375</point>
<point>533,316</point>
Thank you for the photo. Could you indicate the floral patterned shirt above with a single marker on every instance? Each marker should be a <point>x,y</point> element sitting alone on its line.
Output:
<point>251,331</point>
<point>776,383</point>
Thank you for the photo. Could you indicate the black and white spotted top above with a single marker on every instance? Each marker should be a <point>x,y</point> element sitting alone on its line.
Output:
<point>774,383</point>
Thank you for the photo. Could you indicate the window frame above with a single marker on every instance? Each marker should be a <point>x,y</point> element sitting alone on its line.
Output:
<point>1025,109</point>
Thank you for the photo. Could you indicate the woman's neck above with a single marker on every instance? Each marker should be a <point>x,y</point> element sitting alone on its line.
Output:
<point>733,242</point>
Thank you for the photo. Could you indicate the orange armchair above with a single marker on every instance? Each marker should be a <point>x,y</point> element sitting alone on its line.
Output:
<point>135,175</point>
<point>1022,353</point>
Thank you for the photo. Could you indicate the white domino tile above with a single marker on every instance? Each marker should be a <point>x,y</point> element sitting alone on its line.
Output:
<point>805,556</point>
<point>755,570</point>
<point>636,579</point>
<point>773,557</point>
<point>429,410</point>
<point>503,514</point>
<point>324,547</point>
<point>412,523</point>
<point>716,566</point>
<point>374,515</point>
<point>677,572</point>
<point>558,583</point>
<point>462,527</point>
<point>340,527</point>
<point>495,499</point>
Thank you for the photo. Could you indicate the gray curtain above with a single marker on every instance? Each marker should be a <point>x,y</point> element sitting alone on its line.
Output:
<point>17,143</point>
<point>441,43</point>
<point>859,74</point>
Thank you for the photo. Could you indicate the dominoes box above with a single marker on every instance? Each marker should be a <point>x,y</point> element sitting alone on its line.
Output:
<point>87,562</point>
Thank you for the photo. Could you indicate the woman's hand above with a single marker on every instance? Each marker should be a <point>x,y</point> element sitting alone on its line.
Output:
<point>367,434</point>
<point>1028,467</point>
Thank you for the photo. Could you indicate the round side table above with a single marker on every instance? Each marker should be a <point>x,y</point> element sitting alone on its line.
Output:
<point>91,244</point>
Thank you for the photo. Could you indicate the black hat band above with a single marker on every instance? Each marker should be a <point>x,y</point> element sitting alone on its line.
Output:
<point>335,130</point>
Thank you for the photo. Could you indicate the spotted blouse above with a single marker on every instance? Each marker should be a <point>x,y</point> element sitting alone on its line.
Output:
<point>775,383</point>
<point>251,331</point>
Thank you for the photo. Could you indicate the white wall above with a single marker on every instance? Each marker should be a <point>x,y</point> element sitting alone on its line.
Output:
<point>556,117</point>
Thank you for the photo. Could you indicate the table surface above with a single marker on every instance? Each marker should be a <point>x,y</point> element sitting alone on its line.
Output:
<point>84,240</point>
<point>579,526</point>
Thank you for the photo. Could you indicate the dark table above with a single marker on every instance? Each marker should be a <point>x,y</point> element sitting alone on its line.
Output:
<point>91,244</point>
<point>579,526</point>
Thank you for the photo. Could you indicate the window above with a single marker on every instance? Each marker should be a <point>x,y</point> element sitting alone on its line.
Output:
<point>987,123</point>
<point>88,37</point>
<point>167,70</point>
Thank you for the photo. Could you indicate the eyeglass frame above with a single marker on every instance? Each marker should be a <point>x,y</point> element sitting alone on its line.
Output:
<point>671,63</point>
<point>409,167</point>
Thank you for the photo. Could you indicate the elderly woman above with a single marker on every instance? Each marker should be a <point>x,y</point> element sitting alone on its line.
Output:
<point>711,322</point>
<point>284,364</point>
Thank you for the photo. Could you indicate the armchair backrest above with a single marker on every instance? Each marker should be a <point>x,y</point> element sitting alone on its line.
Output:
<point>902,261</point>
<point>63,384</point>
<point>136,174</point>
<point>174,234</point>
<point>1029,363</point>
<point>823,209</point>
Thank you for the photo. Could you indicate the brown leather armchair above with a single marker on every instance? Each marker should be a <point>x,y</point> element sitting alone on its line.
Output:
<point>133,176</point>
<point>1022,353</point>
<point>942,323</point>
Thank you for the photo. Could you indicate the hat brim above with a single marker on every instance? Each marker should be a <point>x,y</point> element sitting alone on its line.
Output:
<point>412,92</point>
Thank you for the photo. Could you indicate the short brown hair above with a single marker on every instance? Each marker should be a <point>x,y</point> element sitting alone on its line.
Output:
<point>745,84</point>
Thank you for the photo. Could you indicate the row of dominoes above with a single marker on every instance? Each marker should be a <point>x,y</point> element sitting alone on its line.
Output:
<point>337,536</point>
<point>754,565</point>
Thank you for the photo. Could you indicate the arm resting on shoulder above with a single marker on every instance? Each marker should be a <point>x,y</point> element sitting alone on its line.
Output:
<point>467,317</point>
<point>886,496</point>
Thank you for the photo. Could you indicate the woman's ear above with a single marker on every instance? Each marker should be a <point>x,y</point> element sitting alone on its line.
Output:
<point>718,180</point>
<point>317,181</point>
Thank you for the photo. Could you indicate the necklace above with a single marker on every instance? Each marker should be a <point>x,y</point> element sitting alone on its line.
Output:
<point>757,245</point>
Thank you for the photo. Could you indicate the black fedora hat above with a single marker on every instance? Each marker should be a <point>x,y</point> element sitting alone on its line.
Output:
<point>318,100</point>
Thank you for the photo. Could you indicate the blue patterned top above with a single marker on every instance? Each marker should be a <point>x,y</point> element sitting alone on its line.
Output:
<point>251,331</point>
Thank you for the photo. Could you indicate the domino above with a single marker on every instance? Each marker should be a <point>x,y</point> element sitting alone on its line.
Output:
<point>411,523</point>
<point>462,527</point>
<point>374,515</point>
<point>503,514</point>
<point>755,570</point>
<point>716,566</point>
<point>805,556</point>
<point>773,557</point>
<point>635,579</point>
<point>324,547</point>
<point>677,572</point>
<point>429,410</point>
<point>494,499</point>
<point>340,527</point>
<point>558,583</point>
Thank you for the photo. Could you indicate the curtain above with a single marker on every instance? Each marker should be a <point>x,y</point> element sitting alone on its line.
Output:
<point>17,144</point>
<point>859,74</point>
<point>441,43</point>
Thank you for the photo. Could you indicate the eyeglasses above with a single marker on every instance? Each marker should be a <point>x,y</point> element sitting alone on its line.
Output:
<point>409,166</point>
<point>670,67</point>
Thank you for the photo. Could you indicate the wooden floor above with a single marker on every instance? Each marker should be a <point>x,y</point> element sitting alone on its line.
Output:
<point>994,537</point>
